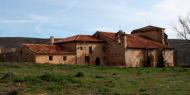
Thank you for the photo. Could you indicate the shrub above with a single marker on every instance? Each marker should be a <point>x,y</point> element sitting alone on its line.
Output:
<point>99,77</point>
<point>79,74</point>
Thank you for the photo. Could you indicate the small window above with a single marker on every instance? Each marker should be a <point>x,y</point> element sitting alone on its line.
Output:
<point>80,48</point>
<point>90,49</point>
<point>64,58</point>
<point>50,58</point>
<point>104,49</point>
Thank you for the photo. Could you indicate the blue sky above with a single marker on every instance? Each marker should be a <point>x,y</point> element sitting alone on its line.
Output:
<point>62,18</point>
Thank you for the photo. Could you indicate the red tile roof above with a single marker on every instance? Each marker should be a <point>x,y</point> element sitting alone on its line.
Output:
<point>80,38</point>
<point>147,28</point>
<point>109,35</point>
<point>135,41</point>
<point>47,49</point>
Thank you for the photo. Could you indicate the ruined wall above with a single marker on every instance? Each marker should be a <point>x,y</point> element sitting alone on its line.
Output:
<point>82,50</point>
<point>24,55</point>
<point>8,50</point>
<point>169,57</point>
<point>115,52</point>
<point>57,59</point>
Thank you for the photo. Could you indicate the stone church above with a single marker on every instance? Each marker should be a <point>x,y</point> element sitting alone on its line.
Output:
<point>144,47</point>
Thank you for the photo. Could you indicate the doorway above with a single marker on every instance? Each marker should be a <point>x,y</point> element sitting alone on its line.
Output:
<point>149,61</point>
<point>87,59</point>
<point>98,61</point>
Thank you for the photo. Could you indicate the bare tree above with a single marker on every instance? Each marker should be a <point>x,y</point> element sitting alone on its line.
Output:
<point>183,27</point>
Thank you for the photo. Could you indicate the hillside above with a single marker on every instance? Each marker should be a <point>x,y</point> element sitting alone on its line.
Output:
<point>46,79</point>
<point>15,42</point>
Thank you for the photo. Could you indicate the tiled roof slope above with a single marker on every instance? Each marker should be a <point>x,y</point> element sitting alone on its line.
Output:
<point>80,38</point>
<point>110,36</point>
<point>147,28</point>
<point>47,49</point>
<point>135,41</point>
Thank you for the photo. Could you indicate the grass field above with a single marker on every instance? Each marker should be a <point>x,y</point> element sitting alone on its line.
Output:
<point>35,79</point>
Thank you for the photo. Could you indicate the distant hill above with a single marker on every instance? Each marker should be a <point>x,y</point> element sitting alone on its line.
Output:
<point>182,46</point>
<point>15,42</point>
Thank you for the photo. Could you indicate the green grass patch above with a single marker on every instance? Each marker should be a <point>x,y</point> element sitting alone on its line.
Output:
<point>33,79</point>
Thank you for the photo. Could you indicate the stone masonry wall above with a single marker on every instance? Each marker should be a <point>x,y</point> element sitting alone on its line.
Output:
<point>57,59</point>
<point>169,57</point>
<point>24,55</point>
<point>82,50</point>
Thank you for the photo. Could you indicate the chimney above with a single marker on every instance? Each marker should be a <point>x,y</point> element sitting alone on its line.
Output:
<point>52,40</point>
<point>125,40</point>
<point>163,37</point>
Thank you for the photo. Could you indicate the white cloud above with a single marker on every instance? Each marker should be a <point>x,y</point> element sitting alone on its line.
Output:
<point>105,15</point>
<point>173,7</point>
<point>164,14</point>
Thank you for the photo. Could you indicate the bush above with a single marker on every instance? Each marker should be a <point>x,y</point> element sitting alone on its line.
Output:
<point>99,77</point>
<point>50,77</point>
<point>79,74</point>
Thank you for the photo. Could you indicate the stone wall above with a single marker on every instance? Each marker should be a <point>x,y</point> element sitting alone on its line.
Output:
<point>24,55</point>
<point>153,57</point>
<point>115,51</point>
<point>115,54</point>
<point>134,57</point>
<point>56,59</point>
<point>150,58</point>
<point>169,57</point>
<point>82,50</point>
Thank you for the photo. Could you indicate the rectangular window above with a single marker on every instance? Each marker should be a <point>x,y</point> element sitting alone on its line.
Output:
<point>64,58</point>
<point>90,49</point>
<point>50,58</point>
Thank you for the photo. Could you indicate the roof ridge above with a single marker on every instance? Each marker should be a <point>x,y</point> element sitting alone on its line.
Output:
<point>39,44</point>
<point>106,32</point>
<point>77,37</point>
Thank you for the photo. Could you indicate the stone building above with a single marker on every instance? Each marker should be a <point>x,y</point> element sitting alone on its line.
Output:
<point>144,47</point>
